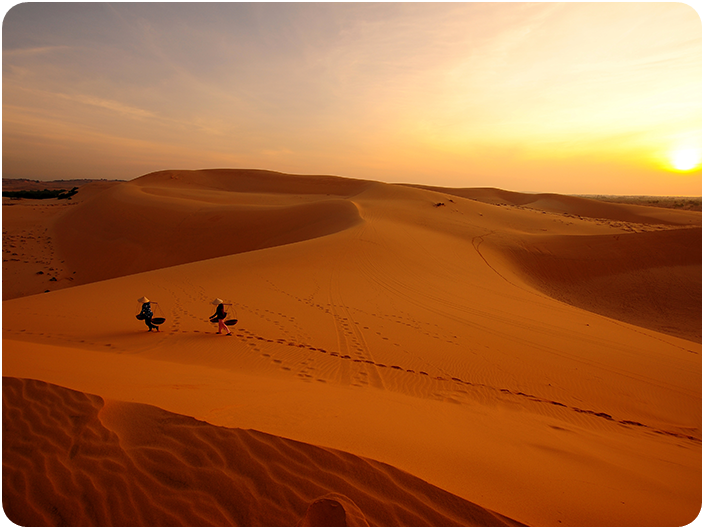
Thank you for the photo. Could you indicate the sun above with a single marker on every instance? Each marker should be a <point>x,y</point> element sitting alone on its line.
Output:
<point>685,159</point>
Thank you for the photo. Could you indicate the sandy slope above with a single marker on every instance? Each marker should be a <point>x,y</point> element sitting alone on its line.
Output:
<point>31,263</point>
<point>448,341</point>
<point>150,467</point>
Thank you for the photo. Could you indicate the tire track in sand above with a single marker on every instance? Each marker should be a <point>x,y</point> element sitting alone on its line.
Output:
<point>352,344</point>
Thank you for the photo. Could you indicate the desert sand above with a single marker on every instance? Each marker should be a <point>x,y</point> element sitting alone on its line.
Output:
<point>403,356</point>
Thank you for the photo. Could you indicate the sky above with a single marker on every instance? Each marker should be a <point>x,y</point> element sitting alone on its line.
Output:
<point>593,98</point>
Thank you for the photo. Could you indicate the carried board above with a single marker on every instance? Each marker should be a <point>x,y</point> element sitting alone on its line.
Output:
<point>226,322</point>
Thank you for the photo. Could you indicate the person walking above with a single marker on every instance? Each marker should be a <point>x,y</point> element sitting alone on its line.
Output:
<point>147,313</point>
<point>220,315</point>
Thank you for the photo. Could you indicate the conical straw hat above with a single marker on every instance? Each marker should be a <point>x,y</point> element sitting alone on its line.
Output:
<point>143,299</point>
<point>217,301</point>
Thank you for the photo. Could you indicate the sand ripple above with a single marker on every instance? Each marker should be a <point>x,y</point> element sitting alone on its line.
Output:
<point>74,459</point>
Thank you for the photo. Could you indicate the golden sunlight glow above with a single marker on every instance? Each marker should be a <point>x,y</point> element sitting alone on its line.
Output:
<point>514,95</point>
<point>685,159</point>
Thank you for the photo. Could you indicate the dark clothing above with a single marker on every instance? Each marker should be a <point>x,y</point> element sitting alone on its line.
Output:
<point>148,315</point>
<point>220,312</point>
<point>147,310</point>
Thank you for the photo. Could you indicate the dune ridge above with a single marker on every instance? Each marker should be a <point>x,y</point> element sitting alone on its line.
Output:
<point>173,217</point>
<point>71,458</point>
<point>648,275</point>
<point>660,270</point>
<point>255,181</point>
<point>483,346</point>
<point>176,224</point>
<point>571,205</point>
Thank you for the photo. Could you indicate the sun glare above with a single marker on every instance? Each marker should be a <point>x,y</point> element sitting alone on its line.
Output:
<point>685,159</point>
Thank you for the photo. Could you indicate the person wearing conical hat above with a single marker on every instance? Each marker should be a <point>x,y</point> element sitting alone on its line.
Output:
<point>220,314</point>
<point>147,313</point>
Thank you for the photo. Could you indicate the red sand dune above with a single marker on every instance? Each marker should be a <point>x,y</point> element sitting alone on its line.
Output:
<point>150,225</point>
<point>570,205</point>
<point>537,355</point>
<point>650,279</point>
<point>134,464</point>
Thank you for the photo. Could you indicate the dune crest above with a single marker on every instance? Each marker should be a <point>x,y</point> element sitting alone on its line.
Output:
<point>650,279</point>
<point>572,205</point>
<point>255,181</point>
<point>70,458</point>
<point>175,217</point>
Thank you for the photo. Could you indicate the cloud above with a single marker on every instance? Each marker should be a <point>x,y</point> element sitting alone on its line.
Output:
<point>108,104</point>
<point>361,86</point>
<point>23,53</point>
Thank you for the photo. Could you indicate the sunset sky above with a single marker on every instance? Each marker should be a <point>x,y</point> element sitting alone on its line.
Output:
<point>567,98</point>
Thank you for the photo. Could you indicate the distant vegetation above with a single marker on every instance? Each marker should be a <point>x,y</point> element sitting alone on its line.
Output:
<point>41,194</point>
<point>686,203</point>
<point>24,184</point>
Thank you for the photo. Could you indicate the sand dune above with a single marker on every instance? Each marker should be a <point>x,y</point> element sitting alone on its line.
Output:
<point>135,464</point>
<point>573,205</point>
<point>150,225</point>
<point>536,356</point>
<point>31,261</point>
<point>650,279</point>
